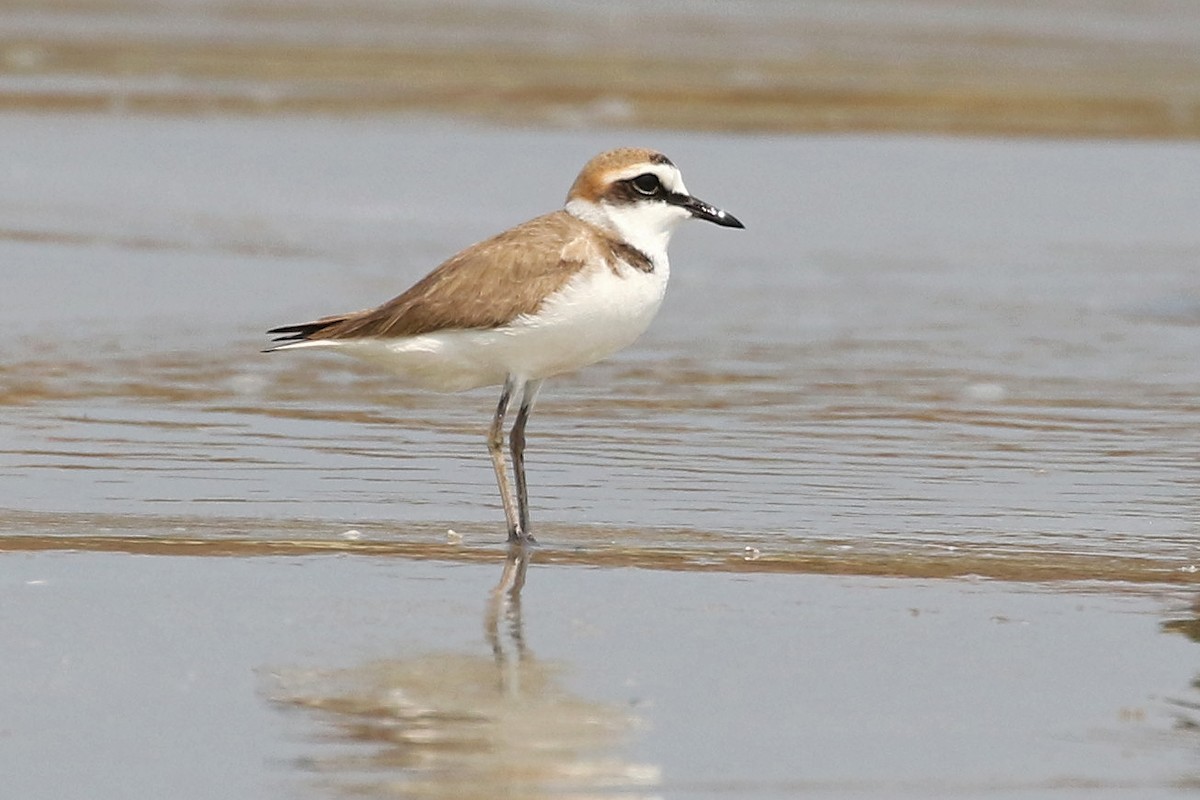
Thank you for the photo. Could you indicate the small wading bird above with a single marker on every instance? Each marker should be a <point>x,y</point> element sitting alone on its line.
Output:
<point>551,295</point>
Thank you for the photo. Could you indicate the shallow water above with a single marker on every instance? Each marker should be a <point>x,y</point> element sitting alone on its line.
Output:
<point>975,354</point>
<point>386,677</point>
<point>766,529</point>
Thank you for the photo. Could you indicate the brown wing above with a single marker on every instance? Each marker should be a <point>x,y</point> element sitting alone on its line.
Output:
<point>484,286</point>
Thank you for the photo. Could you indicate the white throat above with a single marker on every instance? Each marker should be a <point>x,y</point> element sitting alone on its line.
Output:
<point>647,225</point>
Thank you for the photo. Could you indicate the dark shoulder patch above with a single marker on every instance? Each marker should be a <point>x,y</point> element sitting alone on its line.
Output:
<point>631,256</point>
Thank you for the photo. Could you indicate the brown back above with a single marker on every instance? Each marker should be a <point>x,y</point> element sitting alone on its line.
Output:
<point>486,285</point>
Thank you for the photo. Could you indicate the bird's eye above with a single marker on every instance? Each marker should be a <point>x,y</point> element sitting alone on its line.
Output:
<point>647,183</point>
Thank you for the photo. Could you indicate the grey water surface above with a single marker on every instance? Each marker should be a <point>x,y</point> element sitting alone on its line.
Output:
<point>897,497</point>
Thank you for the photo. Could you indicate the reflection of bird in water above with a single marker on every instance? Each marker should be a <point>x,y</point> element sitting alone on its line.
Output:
<point>506,601</point>
<point>1187,709</point>
<point>465,725</point>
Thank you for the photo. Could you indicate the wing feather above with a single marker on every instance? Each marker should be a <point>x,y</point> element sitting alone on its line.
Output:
<point>485,286</point>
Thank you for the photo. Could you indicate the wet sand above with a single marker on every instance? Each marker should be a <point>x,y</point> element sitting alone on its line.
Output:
<point>896,498</point>
<point>1112,69</point>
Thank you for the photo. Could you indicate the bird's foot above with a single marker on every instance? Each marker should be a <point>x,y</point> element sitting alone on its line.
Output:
<point>520,537</point>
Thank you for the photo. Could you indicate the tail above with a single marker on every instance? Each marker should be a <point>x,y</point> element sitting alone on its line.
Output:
<point>293,335</point>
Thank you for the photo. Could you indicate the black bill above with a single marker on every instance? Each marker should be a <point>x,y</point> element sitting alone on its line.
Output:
<point>705,211</point>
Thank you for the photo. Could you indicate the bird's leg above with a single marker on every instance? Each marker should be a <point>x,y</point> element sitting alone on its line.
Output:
<point>516,441</point>
<point>496,448</point>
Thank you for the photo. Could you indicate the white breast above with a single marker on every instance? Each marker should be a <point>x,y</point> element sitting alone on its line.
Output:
<point>593,316</point>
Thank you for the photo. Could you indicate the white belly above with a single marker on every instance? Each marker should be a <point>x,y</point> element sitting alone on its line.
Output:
<point>592,317</point>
